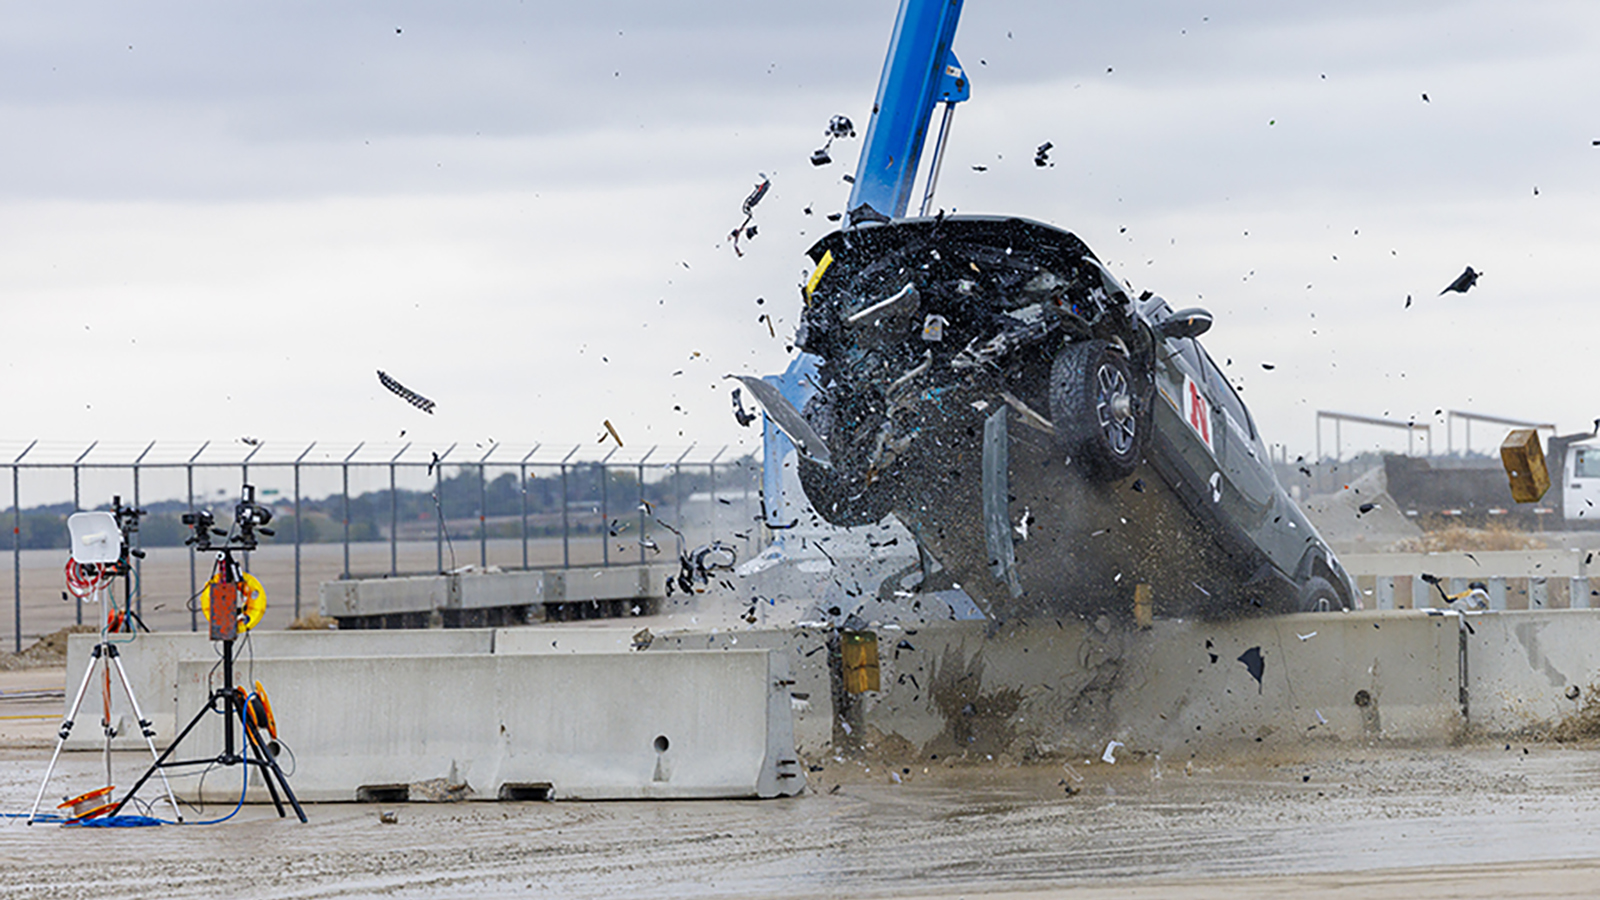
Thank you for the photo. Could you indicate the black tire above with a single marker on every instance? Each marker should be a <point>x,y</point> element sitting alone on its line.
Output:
<point>1094,401</point>
<point>839,499</point>
<point>1319,595</point>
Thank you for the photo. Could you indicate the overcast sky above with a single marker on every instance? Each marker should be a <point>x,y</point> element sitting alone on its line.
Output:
<point>219,220</point>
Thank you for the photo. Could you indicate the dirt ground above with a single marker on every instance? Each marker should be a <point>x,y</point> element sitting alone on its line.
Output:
<point>1486,820</point>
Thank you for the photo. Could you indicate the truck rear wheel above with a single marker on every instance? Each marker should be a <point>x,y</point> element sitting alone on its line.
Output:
<point>1319,595</point>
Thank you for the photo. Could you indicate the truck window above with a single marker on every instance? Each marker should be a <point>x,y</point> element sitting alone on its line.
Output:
<point>1229,398</point>
<point>1587,463</point>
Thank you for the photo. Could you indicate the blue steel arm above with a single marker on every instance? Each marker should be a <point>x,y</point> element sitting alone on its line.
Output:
<point>914,79</point>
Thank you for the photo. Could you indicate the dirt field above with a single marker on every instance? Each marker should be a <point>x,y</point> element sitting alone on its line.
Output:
<point>1479,821</point>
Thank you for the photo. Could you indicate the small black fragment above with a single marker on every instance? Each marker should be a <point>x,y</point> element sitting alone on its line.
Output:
<point>1255,663</point>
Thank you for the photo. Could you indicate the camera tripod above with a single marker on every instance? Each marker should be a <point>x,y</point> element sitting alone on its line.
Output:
<point>104,658</point>
<point>235,706</point>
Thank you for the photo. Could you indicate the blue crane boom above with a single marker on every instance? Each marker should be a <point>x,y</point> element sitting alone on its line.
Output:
<point>919,71</point>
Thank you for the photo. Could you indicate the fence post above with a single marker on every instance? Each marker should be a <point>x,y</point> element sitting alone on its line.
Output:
<point>138,558</point>
<point>641,504</point>
<point>394,514</point>
<point>677,486</point>
<point>605,508</point>
<point>566,529</point>
<point>77,506</point>
<point>344,476</point>
<point>16,545</point>
<point>194,613</point>
<point>298,539</point>
<point>244,478</point>
<point>344,467</point>
<point>483,508</point>
<point>522,484</point>
<point>712,515</point>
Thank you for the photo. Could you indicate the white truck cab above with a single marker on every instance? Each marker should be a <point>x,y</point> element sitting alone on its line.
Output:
<point>1580,481</point>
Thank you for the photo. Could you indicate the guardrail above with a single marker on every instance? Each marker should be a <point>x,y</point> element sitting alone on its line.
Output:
<point>1515,579</point>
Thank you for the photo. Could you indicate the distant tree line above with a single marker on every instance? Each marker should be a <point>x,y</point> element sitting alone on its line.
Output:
<point>461,500</point>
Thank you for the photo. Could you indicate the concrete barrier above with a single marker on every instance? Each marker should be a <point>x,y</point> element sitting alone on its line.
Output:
<point>1047,687</point>
<point>151,661</point>
<point>1532,671</point>
<point>1039,688</point>
<point>586,726</point>
<point>806,649</point>
<point>469,598</point>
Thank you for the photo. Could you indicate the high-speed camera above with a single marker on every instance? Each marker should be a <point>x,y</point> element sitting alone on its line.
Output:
<point>249,518</point>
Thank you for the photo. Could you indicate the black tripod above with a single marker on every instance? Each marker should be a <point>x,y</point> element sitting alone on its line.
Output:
<point>232,702</point>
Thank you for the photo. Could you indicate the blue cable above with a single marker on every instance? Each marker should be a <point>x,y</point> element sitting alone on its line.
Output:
<point>136,821</point>
<point>244,787</point>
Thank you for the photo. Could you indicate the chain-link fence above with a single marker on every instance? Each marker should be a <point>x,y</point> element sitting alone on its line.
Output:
<point>365,510</point>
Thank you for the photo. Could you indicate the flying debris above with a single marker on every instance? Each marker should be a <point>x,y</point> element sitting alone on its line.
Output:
<point>744,418</point>
<point>1463,282</point>
<point>1041,156</point>
<point>611,432</point>
<point>838,127</point>
<point>745,229</point>
<point>405,393</point>
<point>1255,663</point>
<point>783,414</point>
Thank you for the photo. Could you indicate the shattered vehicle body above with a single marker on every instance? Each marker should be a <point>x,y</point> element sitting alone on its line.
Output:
<point>1051,440</point>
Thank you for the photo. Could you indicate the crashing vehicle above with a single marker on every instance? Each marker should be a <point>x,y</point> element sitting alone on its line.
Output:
<point>1049,438</point>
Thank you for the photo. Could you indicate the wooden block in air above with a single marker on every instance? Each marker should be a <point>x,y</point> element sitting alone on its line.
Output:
<point>1523,459</point>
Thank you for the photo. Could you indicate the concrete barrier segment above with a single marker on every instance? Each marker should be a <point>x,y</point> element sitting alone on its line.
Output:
<point>583,726</point>
<point>151,663</point>
<point>1536,671</point>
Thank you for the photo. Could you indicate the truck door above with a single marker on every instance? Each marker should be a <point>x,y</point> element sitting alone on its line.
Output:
<point>1248,482</point>
<point>1185,418</point>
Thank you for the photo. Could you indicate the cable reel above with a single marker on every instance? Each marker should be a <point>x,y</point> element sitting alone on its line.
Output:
<point>260,709</point>
<point>255,600</point>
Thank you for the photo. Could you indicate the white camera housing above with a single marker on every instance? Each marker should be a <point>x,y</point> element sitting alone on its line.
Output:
<point>95,537</point>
